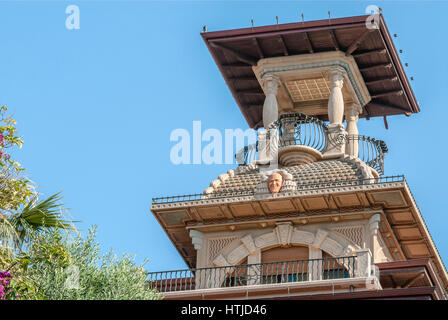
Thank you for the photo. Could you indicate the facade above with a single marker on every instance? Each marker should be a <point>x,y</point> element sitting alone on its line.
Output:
<point>308,213</point>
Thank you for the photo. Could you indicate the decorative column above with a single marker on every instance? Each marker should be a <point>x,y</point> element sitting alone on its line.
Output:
<point>270,107</point>
<point>315,267</point>
<point>254,259</point>
<point>267,148</point>
<point>373,228</point>
<point>352,112</point>
<point>336,133</point>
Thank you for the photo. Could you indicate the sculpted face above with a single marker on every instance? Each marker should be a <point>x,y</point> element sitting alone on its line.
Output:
<point>275,182</point>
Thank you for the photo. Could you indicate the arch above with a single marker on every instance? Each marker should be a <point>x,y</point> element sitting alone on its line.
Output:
<point>285,235</point>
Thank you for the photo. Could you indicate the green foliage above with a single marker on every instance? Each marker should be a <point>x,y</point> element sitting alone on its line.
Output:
<point>37,259</point>
<point>15,190</point>
<point>73,268</point>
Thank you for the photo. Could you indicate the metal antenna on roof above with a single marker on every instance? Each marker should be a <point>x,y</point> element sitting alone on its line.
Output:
<point>276,19</point>
<point>329,19</point>
<point>204,29</point>
<point>303,18</point>
<point>252,22</point>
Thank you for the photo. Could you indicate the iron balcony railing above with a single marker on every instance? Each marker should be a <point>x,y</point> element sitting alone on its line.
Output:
<point>254,274</point>
<point>300,186</point>
<point>291,129</point>
<point>369,150</point>
<point>300,129</point>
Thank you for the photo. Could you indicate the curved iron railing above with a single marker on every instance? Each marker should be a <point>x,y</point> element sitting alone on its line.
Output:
<point>291,129</point>
<point>300,129</point>
<point>369,150</point>
<point>254,274</point>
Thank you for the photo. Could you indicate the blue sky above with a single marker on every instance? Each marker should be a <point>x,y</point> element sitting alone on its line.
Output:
<point>96,106</point>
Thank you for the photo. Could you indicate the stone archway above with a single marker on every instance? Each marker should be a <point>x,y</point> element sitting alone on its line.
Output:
<point>284,235</point>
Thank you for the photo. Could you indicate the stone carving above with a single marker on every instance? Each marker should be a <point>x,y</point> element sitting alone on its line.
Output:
<point>220,261</point>
<point>299,236</point>
<point>319,238</point>
<point>353,233</point>
<point>196,238</point>
<point>283,232</point>
<point>374,223</point>
<point>348,250</point>
<point>266,240</point>
<point>332,247</point>
<point>238,254</point>
<point>248,241</point>
<point>276,181</point>
<point>215,246</point>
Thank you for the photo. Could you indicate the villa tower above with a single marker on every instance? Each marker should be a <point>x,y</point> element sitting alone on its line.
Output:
<point>308,213</point>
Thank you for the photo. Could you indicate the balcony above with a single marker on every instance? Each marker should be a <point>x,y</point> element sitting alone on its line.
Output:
<point>312,275</point>
<point>301,130</point>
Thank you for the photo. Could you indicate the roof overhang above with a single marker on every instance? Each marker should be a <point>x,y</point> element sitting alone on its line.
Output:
<point>402,226</point>
<point>237,51</point>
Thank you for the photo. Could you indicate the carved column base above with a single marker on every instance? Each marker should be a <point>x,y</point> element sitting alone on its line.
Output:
<point>336,139</point>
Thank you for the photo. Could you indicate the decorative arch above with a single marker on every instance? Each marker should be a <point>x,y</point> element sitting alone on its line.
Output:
<point>285,235</point>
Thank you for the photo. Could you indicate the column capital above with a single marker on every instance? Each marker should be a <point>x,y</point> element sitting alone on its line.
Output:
<point>336,76</point>
<point>353,109</point>
<point>270,83</point>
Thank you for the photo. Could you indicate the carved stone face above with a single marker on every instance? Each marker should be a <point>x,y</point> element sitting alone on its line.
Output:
<point>275,182</point>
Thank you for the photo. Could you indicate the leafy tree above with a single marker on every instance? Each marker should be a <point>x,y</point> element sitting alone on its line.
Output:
<point>70,267</point>
<point>37,259</point>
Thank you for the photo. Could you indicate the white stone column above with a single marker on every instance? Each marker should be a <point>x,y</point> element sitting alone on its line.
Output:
<point>315,269</point>
<point>352,112</point>
<point>373,228</point>
<point>336,100</point>
<point>254,272</point>
<point>267,139</point>
<point>336,133</point>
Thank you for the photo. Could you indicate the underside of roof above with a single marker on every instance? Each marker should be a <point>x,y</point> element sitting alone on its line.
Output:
<point>236,51</point>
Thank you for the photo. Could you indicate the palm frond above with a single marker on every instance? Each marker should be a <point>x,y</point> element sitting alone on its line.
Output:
<point>37,215</point>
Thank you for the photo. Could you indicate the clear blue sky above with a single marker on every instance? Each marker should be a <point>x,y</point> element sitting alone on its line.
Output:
<point>96,106</point>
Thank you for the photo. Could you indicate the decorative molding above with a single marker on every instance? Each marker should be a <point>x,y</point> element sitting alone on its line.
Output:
<point>197,238</point>
<point>352,233</point>
<point>320,65</point>
<point>248,241</point>
<point>374,223</point>
<point>319,238</point>
<point>216,245</point>
<point>220,261</point>
<point>283,232</point>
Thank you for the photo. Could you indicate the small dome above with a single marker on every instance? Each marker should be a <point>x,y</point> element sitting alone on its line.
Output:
<point>248,177</point>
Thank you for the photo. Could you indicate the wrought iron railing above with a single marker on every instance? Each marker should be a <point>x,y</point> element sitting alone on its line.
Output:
<point>253,274</point>
<point>300,129</point>
<point>290,129</point>
<point>250,192</point>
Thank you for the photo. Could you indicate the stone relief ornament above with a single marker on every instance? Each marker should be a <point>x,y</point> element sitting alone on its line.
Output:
<point>276,181</point>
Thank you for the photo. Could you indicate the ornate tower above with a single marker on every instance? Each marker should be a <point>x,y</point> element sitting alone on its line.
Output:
<point>308,212</point>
